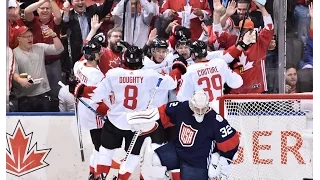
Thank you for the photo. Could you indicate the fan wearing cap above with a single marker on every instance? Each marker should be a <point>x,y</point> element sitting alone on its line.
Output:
<point>30,60</point>
<point>49,17</point>
<point>14,22</point>
<point>254,55</point>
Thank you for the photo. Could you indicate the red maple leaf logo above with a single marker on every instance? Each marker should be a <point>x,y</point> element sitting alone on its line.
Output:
<point>20,158</point>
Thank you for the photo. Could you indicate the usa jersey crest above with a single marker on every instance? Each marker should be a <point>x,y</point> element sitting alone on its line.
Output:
<point>187,135</point>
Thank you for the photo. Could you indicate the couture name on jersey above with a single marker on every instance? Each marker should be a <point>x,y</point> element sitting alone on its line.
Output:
<point>205,71</point>
<point>130,79</point>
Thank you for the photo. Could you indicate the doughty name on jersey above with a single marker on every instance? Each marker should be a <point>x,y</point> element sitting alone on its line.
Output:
<point>130,79</point>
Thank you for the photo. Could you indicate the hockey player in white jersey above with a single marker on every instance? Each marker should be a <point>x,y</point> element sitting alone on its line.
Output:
<point>89,74</point>
<point>181,50</point>
<point>157,62</point>
<point>132,87</point>
<point>209,76</point>
<point>159,50</point>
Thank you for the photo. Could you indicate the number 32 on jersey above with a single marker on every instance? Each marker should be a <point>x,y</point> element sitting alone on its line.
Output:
<point>225,131</point>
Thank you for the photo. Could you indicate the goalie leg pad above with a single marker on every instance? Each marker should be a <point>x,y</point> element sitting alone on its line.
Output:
<point>155,170</point>
<point>151,167</point>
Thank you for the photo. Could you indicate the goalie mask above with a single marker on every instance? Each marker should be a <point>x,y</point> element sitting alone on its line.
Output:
<point>133,58</point>
<point>199,104</point>
<point>199,49</point>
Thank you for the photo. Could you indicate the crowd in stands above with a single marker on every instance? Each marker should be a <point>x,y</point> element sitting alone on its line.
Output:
<point>46,39</point>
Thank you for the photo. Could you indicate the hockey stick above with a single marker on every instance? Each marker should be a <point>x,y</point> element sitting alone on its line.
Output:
<point>124,17</point>
<point>89,107</point>
<point>78,124</point>
<point>137,133</point>
<point>79,130</point>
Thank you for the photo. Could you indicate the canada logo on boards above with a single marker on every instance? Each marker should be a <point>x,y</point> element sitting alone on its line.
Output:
<point>23,155</point>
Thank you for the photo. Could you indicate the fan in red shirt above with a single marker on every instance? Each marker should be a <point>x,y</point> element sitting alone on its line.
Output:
<point>199,11</point>
<point>14,22</point>
<point>111,55</point>
<point>253,58</point>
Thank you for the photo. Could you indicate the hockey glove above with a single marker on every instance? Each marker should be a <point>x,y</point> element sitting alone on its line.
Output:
<point>122,45</point>
<point>181,64</point>
<point>73,82</point>
<point>78,90</point>
<point>99,38</point>
<point>180,32</point>
<point>248,40</point>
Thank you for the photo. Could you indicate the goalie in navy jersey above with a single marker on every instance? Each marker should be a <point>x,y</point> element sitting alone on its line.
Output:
<point>205,146</point>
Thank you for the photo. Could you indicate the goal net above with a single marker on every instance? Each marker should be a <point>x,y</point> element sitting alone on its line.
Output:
<point>271,127</point>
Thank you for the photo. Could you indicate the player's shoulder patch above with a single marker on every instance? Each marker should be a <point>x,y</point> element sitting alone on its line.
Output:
<point>172,109</point>
<point>219,117</point>
<point>173,103</point>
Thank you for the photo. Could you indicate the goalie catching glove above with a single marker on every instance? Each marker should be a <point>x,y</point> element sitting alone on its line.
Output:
<point>248,39</point>
<point>219,167</point>
<point>143,121</point>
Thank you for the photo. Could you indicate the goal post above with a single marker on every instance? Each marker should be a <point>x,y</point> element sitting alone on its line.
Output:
<point>272,130</point>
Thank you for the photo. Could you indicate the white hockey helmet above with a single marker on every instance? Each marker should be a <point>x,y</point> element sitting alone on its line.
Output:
<point>199,104</point>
